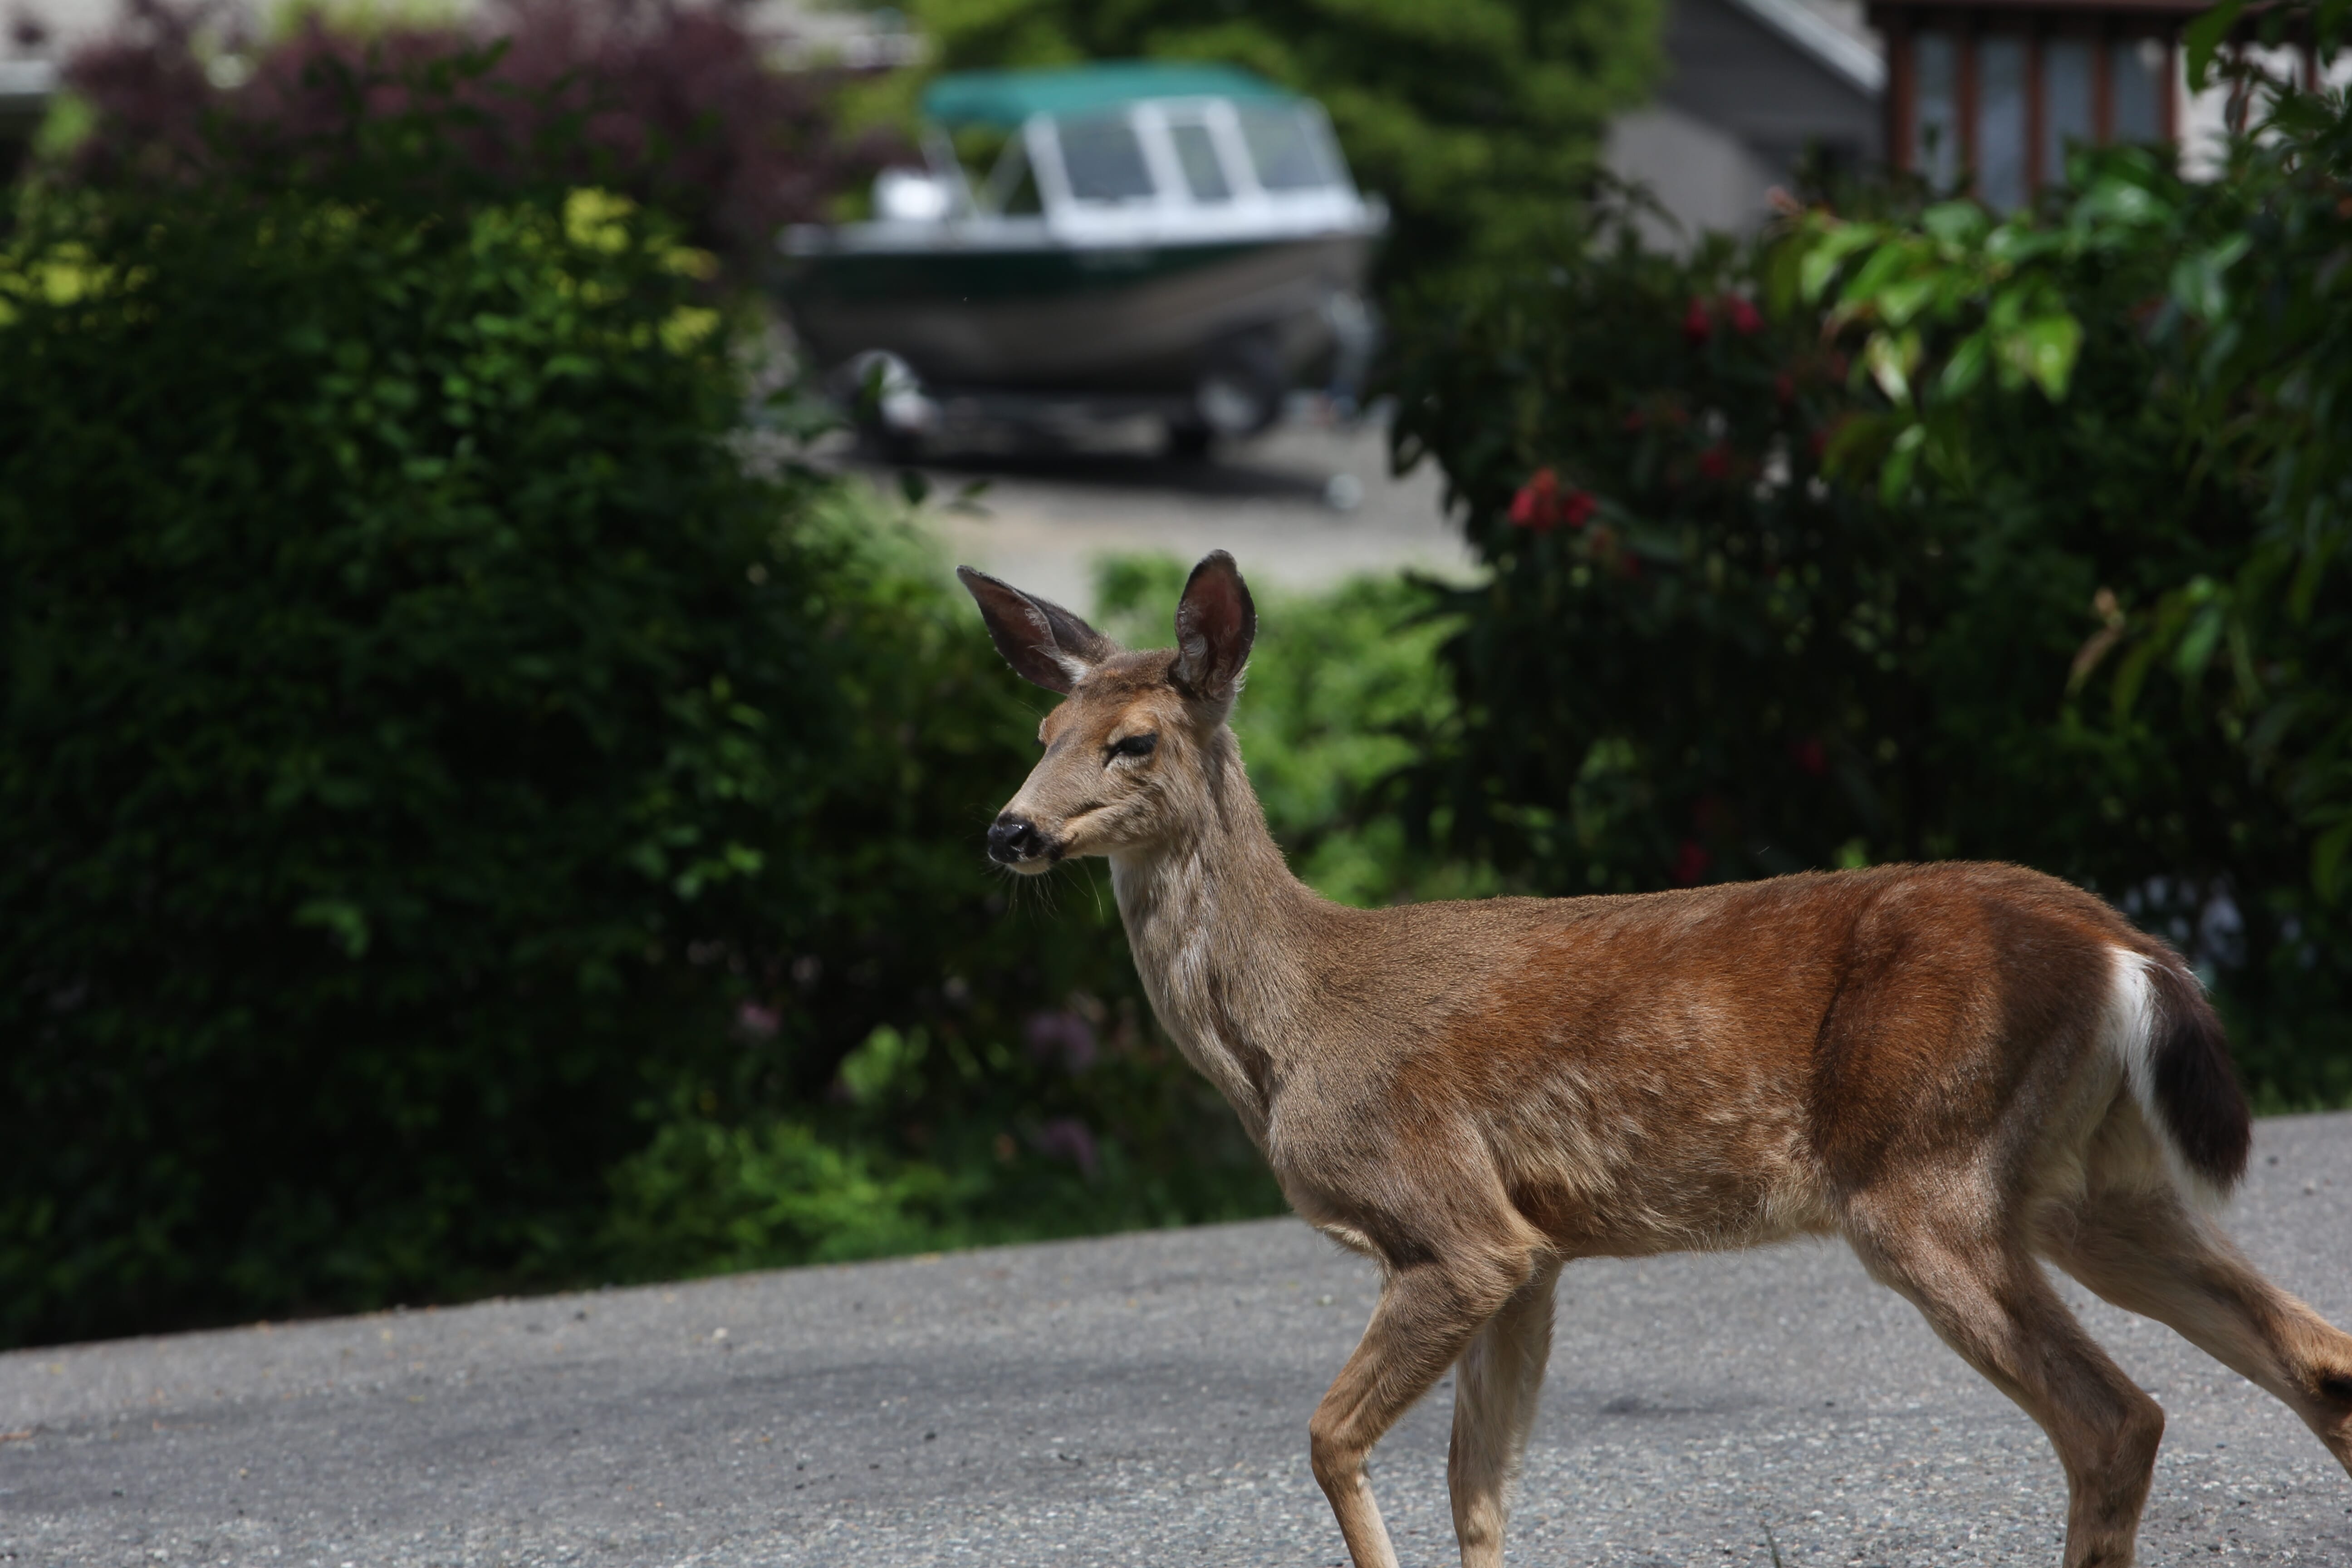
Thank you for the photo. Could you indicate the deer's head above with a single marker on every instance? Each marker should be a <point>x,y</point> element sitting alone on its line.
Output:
<point>1130,751</point>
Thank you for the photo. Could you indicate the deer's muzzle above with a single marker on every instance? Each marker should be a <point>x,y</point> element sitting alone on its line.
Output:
<point>1013,839</point>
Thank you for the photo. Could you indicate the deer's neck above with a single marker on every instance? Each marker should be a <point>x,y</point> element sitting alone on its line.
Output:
<point>1222,934</point>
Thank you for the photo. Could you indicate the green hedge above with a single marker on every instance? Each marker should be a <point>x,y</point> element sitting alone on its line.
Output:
<point>391,655</point>
<point>469,820</point>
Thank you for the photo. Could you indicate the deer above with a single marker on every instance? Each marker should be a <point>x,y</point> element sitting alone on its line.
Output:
<point>1960,1069</point>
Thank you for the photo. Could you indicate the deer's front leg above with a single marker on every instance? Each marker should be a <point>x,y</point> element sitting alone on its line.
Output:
<point>1427,1314</point>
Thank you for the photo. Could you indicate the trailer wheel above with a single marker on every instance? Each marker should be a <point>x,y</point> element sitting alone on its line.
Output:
<point>1240,387</point>
<point>1191,441</point>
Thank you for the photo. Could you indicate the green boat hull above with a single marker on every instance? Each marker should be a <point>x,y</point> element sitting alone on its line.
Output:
<point>1138,320</point>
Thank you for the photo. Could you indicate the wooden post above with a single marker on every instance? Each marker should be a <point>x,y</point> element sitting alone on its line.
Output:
<point>2102,88</point>
<point>2167,104</point>
<point>2037,117</point>
<point>1899,114</point>
<point>1964,107</point>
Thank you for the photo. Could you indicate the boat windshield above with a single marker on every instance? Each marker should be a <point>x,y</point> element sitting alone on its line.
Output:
<point>1196,155</point>
<point>1103,158</point>
<point>1288,148</point>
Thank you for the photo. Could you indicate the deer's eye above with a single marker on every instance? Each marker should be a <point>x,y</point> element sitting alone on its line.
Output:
<point>1134,746</point>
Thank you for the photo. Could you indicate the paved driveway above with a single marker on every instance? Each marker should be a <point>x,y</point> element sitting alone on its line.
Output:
<point>1140,1399</point>
<point>1043,522</point>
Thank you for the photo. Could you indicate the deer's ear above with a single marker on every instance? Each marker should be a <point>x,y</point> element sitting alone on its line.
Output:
<point>1043,642</point>
<point>1215,624</point>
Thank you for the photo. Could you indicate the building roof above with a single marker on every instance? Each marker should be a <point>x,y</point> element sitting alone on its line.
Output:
<point>1010,98</point>
<point>2178,8</point>
<point>1836,49</point>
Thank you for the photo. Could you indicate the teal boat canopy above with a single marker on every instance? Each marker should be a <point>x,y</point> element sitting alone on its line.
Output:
<point>1010,98</point>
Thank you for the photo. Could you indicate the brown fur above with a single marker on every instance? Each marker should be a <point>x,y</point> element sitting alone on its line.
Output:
<point>1934,1062</point>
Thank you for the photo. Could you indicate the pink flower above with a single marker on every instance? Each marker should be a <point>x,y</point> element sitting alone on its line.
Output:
<point>1578,508</point>
<point>1067,1138</point>
<point>1066,1034</point>
<point>1697,326</point>
<point>1745,319</point>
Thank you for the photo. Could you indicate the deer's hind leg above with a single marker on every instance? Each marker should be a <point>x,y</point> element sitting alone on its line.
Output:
<point>1986,1296</point>
<point>1495,1388</point>
<point>2149,1252</point>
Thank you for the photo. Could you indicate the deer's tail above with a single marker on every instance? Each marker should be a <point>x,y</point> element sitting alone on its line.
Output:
<point>2176,1058</point>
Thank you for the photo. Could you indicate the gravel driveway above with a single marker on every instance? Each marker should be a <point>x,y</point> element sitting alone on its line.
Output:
<point>1139,1399</point>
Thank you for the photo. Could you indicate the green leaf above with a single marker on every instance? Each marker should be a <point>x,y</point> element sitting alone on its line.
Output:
<point>2203,38</point>
<point>1894,479</point>
<point>2046,350</point>
<point>2329,853</point>
<point>2124,203</point>
<point>2195,650</point>
<point>1899,302</point>
<point>341,919</point>
<point>1827,252</point>
<point>1885,265</point>
<point>1965,370</point>
<point>2198,280</point>
<point>1957,224</point>
<point>2327,27</point>
<point>1891,358</point>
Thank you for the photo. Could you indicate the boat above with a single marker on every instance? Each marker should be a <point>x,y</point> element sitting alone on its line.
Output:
<point>1150,239</point>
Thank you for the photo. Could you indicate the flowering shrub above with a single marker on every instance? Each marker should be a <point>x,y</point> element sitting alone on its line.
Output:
<point>1677,597</point>
<point>1743,654</point>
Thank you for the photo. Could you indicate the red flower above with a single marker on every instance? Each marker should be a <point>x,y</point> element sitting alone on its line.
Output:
<point>1810,756</point>
<point>1745,319</point>
<point>1715,461</point>
<point>1691,863</point>
<point>1696,324</point>
<point>1538,505</point>
<point>1784,389</point>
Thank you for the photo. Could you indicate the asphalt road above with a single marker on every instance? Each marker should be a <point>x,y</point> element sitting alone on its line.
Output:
<point>1141,1399</point>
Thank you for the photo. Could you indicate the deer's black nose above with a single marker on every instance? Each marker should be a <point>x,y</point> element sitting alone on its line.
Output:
<point>1011,838</point>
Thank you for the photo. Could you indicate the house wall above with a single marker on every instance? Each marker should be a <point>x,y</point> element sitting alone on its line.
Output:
<point>1742,104</point>
<point>1704,176</point>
